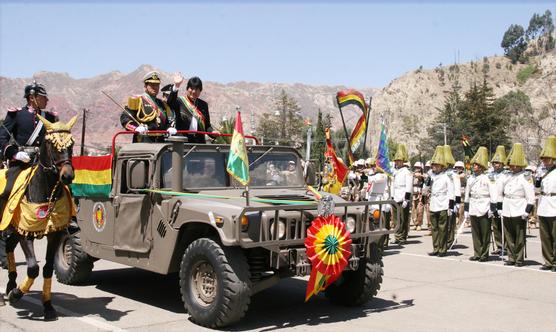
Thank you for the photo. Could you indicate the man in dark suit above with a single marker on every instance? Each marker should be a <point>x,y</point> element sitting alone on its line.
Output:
<point>192,112</point>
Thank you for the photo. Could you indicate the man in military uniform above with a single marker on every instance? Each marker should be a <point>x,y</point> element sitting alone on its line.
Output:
<point>497,177</point>
<point>454,176</point>
<point>417,201</point>
<point>441,202</point>
<point>546,210</point>
<point>192,112</point>
<point>20,136</point>
<point>459,167</point>
<point>426,195</point>
<point>146,112</point>
<point>480,205</point>
<point>516,197</point>
<point>402,187</point>
<point>377,190</point>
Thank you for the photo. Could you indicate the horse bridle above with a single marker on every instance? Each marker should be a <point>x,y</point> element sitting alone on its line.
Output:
<point>53,162</point>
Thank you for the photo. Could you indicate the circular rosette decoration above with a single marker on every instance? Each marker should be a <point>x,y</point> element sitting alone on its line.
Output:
<point>328,245</point>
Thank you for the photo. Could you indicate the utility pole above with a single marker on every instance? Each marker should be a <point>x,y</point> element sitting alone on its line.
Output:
<point>445,138</point>
<point>83,131</point>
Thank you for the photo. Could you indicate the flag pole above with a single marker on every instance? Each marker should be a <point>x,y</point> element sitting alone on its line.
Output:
<point>367,123</point>
<point>345,130</point>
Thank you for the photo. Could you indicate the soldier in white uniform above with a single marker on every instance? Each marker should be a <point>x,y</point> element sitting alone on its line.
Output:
<point>441,202</point>
<point>454,176</point>
<point>496,177</point>
<point>546,210</point>
<point>402,186</point>
<point>377,190</point>
<point>480,205</point>
<point>517,196</point>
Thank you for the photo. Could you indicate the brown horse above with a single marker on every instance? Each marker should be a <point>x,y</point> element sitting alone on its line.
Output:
<point>42,206</point>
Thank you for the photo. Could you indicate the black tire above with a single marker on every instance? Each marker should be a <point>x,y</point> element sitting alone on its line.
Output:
<point>72,264</point>
<point>355,288</point>
<point>224,295</point>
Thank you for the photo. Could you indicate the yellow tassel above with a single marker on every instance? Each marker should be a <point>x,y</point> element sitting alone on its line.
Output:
<point>11,262</point>
<point>46,289</point>
<point>26,285</point>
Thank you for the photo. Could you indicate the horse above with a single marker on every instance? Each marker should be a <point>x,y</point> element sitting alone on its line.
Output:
<point>40,206</point>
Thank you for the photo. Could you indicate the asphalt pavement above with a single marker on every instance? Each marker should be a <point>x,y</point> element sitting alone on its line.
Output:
<point>419,293</point>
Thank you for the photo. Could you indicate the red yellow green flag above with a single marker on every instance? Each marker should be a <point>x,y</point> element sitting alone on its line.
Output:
<point>238,163</point>
<point>93,176</point>
<point>328,247</point>
<point>340,170</point>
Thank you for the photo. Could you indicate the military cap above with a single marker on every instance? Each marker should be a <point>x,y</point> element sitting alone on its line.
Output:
<point>516,157</point>
<point>151,77</point>
<point>166,90</point>
<point>481,157</point>
<point>34,89</point>
<point>401,153</point>
<point>448,156</point>
<point>549,148</point>
<point>439,156</point>
<point>499,155</point>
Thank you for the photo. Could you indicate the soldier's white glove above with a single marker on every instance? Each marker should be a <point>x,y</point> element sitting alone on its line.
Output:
<point>490,214</point>
<point>456,208</point>
<point>404,204</point>
<point>141,130</point>
<point>450,212</point>
<point>466,216</point>
<point>22,156</point>
<point>525,216</point>
<point>172,131</point>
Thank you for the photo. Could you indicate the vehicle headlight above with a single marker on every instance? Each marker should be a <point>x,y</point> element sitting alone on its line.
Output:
<point>281,229</point>
<point>350,224</point>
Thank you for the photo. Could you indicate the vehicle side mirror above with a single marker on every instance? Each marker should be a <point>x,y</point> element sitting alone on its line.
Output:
<point>310,174</point>
<point>137,172</point>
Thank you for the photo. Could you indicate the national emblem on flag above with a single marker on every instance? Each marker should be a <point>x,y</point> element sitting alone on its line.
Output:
<point>238,163</point>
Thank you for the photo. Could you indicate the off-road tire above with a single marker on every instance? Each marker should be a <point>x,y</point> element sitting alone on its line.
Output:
<point>355,288</point>
<point>228,271</point>
<point>72,264</point>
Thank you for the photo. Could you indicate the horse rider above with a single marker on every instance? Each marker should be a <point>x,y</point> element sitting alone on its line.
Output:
<point>21,134</point>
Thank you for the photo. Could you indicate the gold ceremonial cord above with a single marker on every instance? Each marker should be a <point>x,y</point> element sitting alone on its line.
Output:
<point>142,116</point>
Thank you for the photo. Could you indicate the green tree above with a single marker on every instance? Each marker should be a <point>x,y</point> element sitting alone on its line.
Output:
<point>514,43</point>
<point>319,141</point>
<point>284,126</point>
<point>539,33</point>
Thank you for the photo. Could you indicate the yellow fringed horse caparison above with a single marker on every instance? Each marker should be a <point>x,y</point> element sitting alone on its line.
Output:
<point>40,204</point>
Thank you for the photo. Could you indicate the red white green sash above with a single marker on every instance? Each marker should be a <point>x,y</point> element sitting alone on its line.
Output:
<point>154,105</point>
<point>195,112</point>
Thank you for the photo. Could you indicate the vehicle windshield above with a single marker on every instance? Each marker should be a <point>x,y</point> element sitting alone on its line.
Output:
<point>207,169</point>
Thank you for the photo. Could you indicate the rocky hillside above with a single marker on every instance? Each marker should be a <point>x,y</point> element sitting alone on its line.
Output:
<point>408,103</point>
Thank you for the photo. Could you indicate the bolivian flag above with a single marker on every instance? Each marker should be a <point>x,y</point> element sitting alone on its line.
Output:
<point>93,176</point>
<point>238,164</point>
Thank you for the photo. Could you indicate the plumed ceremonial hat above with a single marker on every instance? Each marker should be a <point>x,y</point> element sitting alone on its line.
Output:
<point>439,156</point>
<point>517,156</point>
<point>151,77</point>
<point>481,157</point>
<point>499,155</point>
<point>449,158</point>
<point>401,153</point>
<point>34,89</point>
<point>549,148</point>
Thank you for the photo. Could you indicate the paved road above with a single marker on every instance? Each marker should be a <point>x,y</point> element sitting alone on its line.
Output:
<point>419,293</point>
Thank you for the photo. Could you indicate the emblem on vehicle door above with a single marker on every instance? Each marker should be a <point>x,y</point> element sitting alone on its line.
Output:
<point>99,216</point>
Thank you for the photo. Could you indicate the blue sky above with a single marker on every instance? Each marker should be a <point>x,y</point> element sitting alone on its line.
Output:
<point>355,43</point>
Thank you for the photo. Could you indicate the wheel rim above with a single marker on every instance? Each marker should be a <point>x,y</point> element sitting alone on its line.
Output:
<point>204,283</point>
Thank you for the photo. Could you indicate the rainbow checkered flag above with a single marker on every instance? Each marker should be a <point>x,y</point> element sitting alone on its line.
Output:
<point>238,164</point>
<point>382,159</point>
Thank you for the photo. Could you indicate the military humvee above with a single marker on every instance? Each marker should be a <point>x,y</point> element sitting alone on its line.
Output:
<point>173,208</point>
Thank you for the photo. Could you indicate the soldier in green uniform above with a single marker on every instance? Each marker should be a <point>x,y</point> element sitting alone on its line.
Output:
<point>496,177</point>
<point>546,211</point>
<point>454,176</point>
<point>516,197</point>
<point>480,205</point>
<point>402,187</point>
<point>441,202</point>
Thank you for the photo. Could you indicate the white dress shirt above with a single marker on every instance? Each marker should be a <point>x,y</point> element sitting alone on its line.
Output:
<point>402,184</point>
<point>442,192</point>
<point>516,192</point>
<point>547,199</point>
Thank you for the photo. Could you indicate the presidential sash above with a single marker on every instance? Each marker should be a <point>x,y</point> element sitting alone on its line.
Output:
<point>191,108</point>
